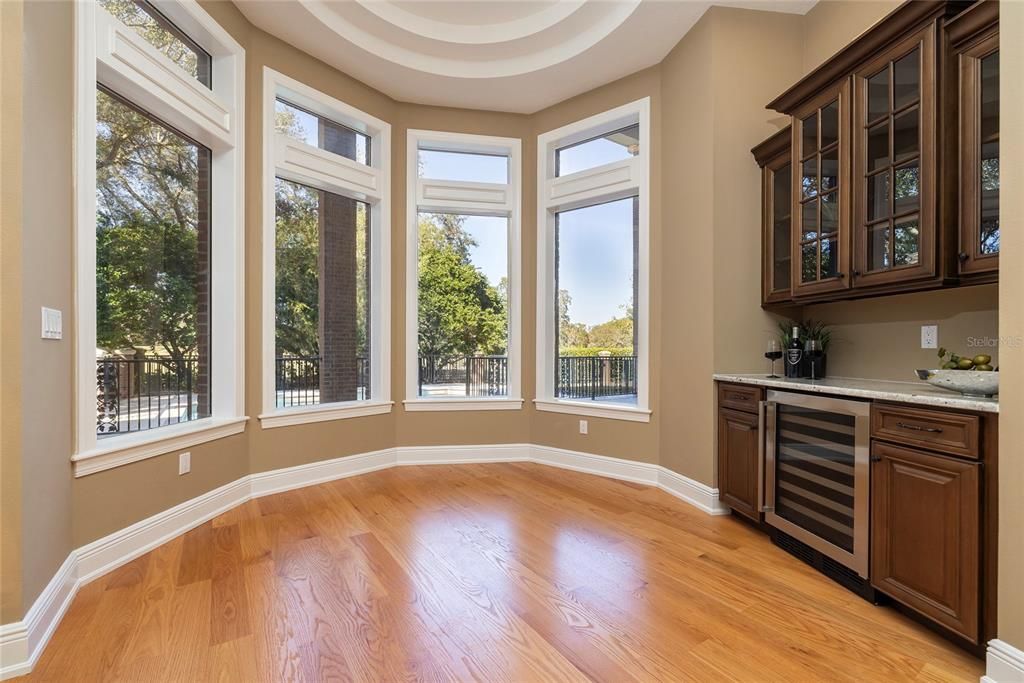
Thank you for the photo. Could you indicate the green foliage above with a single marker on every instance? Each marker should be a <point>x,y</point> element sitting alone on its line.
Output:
<point>616,333</point>
<point>460,311</point>
<point>297,292</point>
<point>595,350</point>
<point>809,329</point>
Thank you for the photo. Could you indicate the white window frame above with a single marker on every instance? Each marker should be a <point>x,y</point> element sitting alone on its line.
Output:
<point>598,185</point>
<point>463,197</point>
<point>107,51</point>
<point>296,161</point>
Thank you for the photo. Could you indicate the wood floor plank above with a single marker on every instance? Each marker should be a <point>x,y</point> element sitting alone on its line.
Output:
<point>500,572</point>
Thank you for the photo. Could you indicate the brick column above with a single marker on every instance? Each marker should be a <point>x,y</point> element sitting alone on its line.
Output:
<point>339,375</point>
<point>201,379</point>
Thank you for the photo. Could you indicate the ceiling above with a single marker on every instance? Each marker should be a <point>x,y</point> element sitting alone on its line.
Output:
<point>505,55</point>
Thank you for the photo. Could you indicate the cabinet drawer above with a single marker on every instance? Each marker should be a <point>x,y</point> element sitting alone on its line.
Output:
<point>936,430</point>
<point>739,397</point>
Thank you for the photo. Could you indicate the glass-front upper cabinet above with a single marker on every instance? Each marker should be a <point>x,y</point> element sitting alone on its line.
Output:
<point>978,64</point>
<point>894,225</point>
<point>775,159</point>
<point>821,149</point>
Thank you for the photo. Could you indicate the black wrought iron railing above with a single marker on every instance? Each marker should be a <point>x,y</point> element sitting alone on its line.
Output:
<point>297,380</point>
<point>596,377</point>
<point>137,394</point>
<point>478,376</point>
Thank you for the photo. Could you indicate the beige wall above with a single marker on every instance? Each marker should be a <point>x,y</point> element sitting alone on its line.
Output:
<point>708,100</point>
<point>1011,326</point>
<point>11,21</point>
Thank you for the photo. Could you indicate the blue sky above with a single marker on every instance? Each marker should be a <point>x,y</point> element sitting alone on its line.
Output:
<point>596,242</point>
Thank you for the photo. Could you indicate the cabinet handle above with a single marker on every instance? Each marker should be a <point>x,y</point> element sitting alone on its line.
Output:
<point>919,428</point>
<point>876,458</point>
<point>839,275</point>
<point>964,255</point>
<point>856,273</point>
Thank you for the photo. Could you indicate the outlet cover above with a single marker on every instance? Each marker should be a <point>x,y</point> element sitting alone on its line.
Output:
<point>184,463</point>
<point>929,336</point>
<point>583,426</point>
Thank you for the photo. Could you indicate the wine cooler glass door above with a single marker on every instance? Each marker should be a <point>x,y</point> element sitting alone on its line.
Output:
<point>817,474</point>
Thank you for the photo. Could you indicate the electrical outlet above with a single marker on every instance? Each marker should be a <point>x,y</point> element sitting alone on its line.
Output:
<point>929,336</point>
<point>52,325</point>
<point>184,463</point>
<point>583,426</point>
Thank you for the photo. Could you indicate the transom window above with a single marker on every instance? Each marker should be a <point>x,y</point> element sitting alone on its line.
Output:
<point>463,272</point>
<point>326,295</point>
<point>592,266</point>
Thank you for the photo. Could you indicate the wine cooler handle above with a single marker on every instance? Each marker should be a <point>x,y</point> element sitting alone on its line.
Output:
<point>766,466</point>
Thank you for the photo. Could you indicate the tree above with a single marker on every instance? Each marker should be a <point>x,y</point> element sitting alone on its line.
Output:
<point>460,311</point>
<point>297,293</point>
<point>615,333</point>
<point>146,232</point>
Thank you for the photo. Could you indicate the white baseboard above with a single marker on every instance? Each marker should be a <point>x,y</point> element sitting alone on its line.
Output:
<point>22,642</point>
<point>1003,663</point>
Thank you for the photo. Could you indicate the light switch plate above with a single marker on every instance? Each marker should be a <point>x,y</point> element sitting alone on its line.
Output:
<point>52,323</point>
<point>583,426</point>
<point>929,336</point>
<point>184,463</point>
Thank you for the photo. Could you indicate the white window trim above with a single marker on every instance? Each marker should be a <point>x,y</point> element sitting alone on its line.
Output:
<point>484,199</point>
<point>598,185</point>
<point>105,50</point>
<point>297,161</point>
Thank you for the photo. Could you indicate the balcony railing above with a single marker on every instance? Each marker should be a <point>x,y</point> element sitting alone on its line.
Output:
<point>596,377</point>
<point>138,394</point>
<point>135,394</point>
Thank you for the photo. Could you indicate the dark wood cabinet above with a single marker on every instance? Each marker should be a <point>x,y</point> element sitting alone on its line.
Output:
<point>739,448</point>
<point>738,461</point>
<point>974,36</point>
<point>926,534</point>
<point>774,157</point>
<point>894,160</point>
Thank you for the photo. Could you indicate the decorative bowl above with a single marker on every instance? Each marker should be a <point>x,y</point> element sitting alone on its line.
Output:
<point>967,382</point>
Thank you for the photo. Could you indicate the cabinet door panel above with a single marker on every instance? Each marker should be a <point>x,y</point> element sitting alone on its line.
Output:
<point>737,461</point>
<point>894,164</point>
<point>925,534</point>
<point>979,158</point>
<point>821,204</point>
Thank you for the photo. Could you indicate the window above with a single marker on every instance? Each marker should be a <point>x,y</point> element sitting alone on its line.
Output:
<point>326,301</point>
<point>592,268</point>
<point>463,274</point>
<point>158,252</point>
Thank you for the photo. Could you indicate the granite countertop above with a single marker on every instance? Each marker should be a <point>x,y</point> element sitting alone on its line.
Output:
<point>918,393</point>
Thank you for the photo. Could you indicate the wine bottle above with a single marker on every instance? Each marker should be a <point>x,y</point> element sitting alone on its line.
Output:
<point>794,354</point>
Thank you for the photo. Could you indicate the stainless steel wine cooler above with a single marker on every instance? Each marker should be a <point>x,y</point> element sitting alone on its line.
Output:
<point>816,473</point>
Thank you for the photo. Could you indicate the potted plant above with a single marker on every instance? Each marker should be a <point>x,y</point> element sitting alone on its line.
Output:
<point>809,329</point>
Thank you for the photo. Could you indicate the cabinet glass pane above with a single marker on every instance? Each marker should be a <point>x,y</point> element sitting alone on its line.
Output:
<point>905,134</point>
<point>829,124</point>
<point>989,238</point>
<point>878,196</point>
<point>810,177</point>
<point>906,189</point>
<point>829,258</point>
<point>810,133</point>
<point>906,239</point>
<point>809,262</point>
<point>830,169</point>
<point>906,80</point>
<point>878,246</point>
<point>878,146</point>
<point>810,220</point>
<point>782,180</point>
<point>878,94</point>
<point>829,213</point>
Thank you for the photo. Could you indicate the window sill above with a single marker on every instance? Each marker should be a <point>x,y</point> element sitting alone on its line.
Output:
<point>443,404</point>
<point>286,417</point>
<point>591,409</point>
<point>134,447</point>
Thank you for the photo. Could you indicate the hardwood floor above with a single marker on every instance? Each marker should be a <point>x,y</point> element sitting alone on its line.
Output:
<point>505,572</point>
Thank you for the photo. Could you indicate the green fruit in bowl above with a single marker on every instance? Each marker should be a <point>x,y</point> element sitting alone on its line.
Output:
<point>984,367</point>
<point>982,359</point>
<point>949,366</point>
<point>965,364</point>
